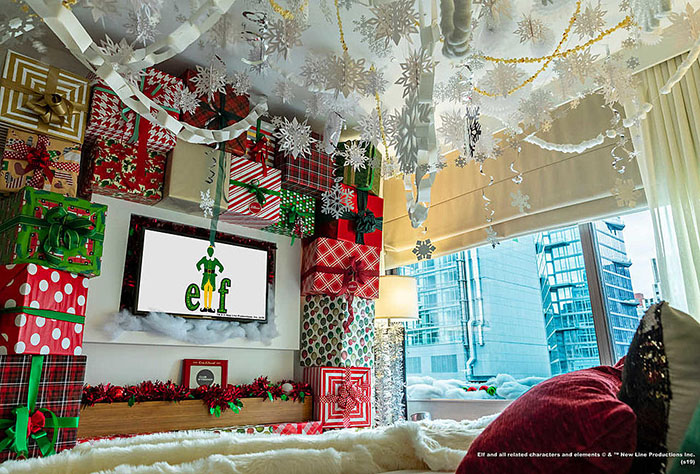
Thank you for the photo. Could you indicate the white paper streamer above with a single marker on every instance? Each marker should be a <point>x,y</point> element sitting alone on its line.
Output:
<point>683,68</point>
<point>565,147</point>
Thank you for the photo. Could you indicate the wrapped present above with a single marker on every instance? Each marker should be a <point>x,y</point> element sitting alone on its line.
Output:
<point>40,404</point>
<point>37,160</point>
<point>303,428</point>
<point>43,310</point>
<point>342,396</point>
<point>110,118</point>
<point>43,99</point>
<point>118,170</point>
<point>338,267</point>
<point>362,224</point>
<point>367,178</point>
<point>260,144</point>
<point>330,335</point>
<point>253,194</point>
<point>307,174</point>
<point>296,215</point>
<point>192,173</point>
<point>45,228</point>
<point>223,110</point>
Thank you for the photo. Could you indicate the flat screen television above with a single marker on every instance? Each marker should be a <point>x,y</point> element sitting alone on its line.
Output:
<point>173,269</point>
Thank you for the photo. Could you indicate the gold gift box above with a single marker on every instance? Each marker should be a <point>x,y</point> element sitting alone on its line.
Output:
<point>42,98</point>
<point>192,169</point>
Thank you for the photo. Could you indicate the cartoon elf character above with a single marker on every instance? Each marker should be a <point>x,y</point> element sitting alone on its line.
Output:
<point>209,278</point>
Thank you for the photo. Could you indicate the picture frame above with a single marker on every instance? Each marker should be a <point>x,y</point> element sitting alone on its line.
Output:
<point>198,372</point>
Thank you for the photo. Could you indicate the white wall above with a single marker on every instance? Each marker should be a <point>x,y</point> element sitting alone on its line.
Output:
<point>137,356</point>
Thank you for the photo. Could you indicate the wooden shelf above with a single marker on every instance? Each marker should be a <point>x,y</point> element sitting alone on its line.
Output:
<point>110,419</point>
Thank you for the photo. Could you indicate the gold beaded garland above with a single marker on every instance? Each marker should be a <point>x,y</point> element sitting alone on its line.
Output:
<point>286,14</point>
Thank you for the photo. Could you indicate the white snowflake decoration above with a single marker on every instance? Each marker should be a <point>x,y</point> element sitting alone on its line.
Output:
<point>142,26</point>
<point>453,129</point>
<point>575,66</point>
<point>367,32</point>
<point>492,236</point>
<point>368,126</point>
<point>531,29</point>
<point>624,193</point>
<point>616,81</point>
<point>282,35</point>
<point>240,82</point>
<point>535,109</point>
<point>206,203</point>
<point>394,21</point>
<point>346,74</point>
<point>494,12</point>
<point>487,147</point>
<point>186,100</point>
<point>418,62</point>
<point>314,72</point>
<point>284,90</point>
<point>294,138</point>
<point>211,79</point>
<point>120,55</point>
<point>412,117</point>
<point>335,124</point>
<point>424,249</point>
<point>375,84</point>
<point>354,155</point>
<point>590,21</point>
<point>520,200</point>
<point>336,201</point>
<point>632,62</point>
<point>458,89</point>
<point>315,105</point>
<point>277,121</point>
<point>686,22</point>
<point>502,79</point>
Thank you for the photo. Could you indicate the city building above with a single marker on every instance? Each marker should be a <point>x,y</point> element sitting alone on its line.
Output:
<point>480,315</point>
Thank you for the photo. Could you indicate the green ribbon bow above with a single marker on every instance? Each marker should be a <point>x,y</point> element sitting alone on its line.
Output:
<point>66,232</point>
<point>27,422</point>
<point>222,117</point>
<point>291,214</point>
<point>364,220</point>
<point>258,191</point>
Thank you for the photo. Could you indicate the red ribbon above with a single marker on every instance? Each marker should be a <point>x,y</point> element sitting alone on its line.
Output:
<point>349,395</point>
<point>37,422</point>
<point>258,152</point>
<point>38,158</point>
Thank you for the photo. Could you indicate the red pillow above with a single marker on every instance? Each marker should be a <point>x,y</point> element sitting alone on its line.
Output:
<point>568,414</point>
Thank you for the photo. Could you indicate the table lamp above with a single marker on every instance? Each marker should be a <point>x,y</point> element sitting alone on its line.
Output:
<point>397,303</point>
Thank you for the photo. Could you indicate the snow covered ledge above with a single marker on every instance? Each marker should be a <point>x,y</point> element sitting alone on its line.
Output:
<point>446,409</point>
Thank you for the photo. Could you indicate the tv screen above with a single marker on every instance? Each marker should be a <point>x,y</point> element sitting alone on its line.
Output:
<point>183,275</point>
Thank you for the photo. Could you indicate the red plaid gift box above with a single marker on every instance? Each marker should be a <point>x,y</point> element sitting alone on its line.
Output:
<point>308,174</point>
<point>57,383</point>
<point>342,396</point>
<point>362,225</point>
<point>304,428</point>
<point>110,118</point>
<point>119,170</point>
<point>219,112</point>
<point>42,310</point>
<point>260,143</point>
<point>337,267</point>
<point>253,194</point>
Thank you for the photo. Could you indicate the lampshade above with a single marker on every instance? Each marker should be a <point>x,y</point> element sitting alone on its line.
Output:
<point>398,298</point>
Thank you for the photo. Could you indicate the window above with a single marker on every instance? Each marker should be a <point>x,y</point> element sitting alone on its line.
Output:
<point>524,309</point>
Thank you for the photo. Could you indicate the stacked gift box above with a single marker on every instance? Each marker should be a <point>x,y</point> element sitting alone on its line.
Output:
<point>301,428</point>
<point>367,177</point>
<point>311,174</point>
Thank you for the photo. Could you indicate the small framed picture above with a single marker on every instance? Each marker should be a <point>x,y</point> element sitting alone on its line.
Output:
<point>198,372</point>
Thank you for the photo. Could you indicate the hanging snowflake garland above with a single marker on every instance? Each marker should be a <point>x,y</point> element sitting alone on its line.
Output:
<point>461,161</point>
<point>294,138</point>
<point>457,89</point>
<point>625,193</point>
<point>354,155</point>
<point>394,21</point>
<point>407,124</point>
<point>520,200</point>
<point>632,62</point>
<point>211,79</point>
<point>424,249</point>
<point>282,35</point>
<point>186,100</point>
<point>346,75</point>
<point>418,62</point>
<point>337,201</point>
<point>590,21</point>
<point>206,203</point>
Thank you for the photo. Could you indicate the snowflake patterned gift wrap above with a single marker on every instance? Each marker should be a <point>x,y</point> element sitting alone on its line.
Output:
<point>362,223</point>
<point>42,394</point>
<point>253,194</point>
<point>337,267</point>
<point>118,170</point>
<point>297,215</point>
<point>43,310</point>
<point>331,336</point>
<point>45,228</point>
<point>110,118</point>
<point>218,111</point>
<point>43,99</point>
<point>308,174</point>
<point>342,396</point>
<point>36,160</point>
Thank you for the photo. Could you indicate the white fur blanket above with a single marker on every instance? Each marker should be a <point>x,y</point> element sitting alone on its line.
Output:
<point>428,445</point>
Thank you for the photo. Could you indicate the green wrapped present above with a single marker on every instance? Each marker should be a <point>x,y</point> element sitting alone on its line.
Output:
<point>365,179</point>
<point>296,215</point>
<point>46,228</point>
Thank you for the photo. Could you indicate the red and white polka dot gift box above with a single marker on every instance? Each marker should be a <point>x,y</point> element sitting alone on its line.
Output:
<point>42,310</point>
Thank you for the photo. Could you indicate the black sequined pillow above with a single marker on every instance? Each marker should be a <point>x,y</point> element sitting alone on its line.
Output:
<point>661,382</point>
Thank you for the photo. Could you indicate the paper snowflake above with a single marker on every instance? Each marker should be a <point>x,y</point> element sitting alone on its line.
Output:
<point>458,89</point>
<point>494,12</point>
<point>534,110</point>
<point>142,26</point>
<point>345,74</point>
<point>120,55</point>
<point>575,66</point>
<point>686,22</point>
<point>487,147</point>
<point>632,62</point>
<point>336,201</point>
<point>211,79</point>
<point>206,203</point>
<point>492,236</point>
<point>418,62</point>
<point>294,138</point>
<point>408,122</point>
<point>520,200</point>
<point>314,71</point>
<point>424,249</point>
<point>461,161</point>
<point>340,104</point>
<point>393,21</point>
<point>284,90</point>
<point>502,78</point>
<point>531,29</point>
<point>224,32</point>
<point>453,128</point>
<point>315,105</point>
<point>282,35</point>
<point>367,33</point>
<point>616,81</point>
<point>355,156</point>
<point>376,84</point>
<point>590,21</point>
<point>101,9</point>
<point>186,100</point>
<point>368,126</point>
<point>240,82</point>
<point>624,193</point>
<point>277,121</point>
<point>630,43</point>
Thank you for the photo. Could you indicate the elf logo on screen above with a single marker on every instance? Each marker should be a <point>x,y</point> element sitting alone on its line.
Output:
<point>208,265</point>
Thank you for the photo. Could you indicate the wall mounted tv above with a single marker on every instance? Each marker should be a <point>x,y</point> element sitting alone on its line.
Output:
<point>172,268</point>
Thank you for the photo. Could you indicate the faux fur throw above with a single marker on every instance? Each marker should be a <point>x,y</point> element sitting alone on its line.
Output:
<point>428,445</point>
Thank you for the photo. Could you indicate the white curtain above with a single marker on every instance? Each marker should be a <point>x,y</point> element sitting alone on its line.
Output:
<point>668,142</point>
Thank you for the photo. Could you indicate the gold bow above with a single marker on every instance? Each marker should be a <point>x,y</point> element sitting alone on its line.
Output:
<point>51,108</point>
